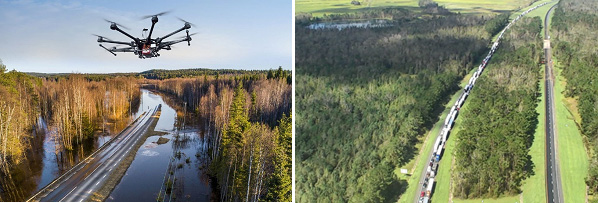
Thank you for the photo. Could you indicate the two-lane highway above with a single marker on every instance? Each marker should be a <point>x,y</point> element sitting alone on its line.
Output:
<point>553,177</point>
<point>84,179</point>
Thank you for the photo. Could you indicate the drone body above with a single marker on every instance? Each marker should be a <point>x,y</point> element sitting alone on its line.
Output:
<point>146,47</point>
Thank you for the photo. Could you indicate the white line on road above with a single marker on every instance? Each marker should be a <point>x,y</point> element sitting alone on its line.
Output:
<point>68,194</point>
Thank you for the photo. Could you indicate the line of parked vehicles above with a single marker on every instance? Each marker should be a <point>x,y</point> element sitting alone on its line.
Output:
<point>428,184</point>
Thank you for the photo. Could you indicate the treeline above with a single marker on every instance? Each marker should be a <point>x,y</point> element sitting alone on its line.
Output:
<point>574,25</point>
<point>498,124</point>
<point>78,107</point>
<point>365,96</point>
<point>495,25</point>
<point>18,113</point>
<point>161,74</point>
<point>73,104</point>
<point>249,122</point>
<point>304,19</point>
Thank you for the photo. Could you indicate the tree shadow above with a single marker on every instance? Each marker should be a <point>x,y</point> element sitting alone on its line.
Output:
<point>394,190</point>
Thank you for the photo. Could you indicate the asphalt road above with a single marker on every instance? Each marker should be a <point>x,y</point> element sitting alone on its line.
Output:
<point>427,161</point>
<point>553,177</point>
<point>81,182</point>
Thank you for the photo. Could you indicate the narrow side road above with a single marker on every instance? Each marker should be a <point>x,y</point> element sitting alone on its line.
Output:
<point>553,177</point>
<point>84,179</point>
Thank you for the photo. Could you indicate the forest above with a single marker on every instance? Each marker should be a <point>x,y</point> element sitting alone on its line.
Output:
<point>499,121</point>
<point>574,26</point>
<point>247,114</point>
<point>249,117</point>
<point>365,96</point>
<point>78,108</point>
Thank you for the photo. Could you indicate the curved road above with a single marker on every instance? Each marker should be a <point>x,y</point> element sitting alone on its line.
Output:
<point>84,179</point>
<point>553,177</point>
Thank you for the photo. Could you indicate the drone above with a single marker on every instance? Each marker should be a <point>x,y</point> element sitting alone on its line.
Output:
<point>146,47</point>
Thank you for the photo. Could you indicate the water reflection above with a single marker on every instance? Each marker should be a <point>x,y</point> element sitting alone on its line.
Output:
<point>183,158</point>
<point>350,24</point>
<point>46,160</point>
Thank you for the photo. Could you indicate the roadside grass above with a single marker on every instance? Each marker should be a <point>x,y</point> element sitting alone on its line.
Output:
<point>319,8</point>
<point>413,179</point>
<point>572,156</point>
<point>533,188</point>
<point>541,12</point>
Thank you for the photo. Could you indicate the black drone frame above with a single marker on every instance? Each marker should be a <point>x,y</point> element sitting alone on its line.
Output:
<point>143,47</point>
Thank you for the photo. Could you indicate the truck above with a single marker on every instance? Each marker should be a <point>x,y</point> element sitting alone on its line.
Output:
<point>467,88</point>
<point>438,140</point>
<point>439,152</point>
<point>446,134</point>
<point>471,82</point>
<point>430,187</point>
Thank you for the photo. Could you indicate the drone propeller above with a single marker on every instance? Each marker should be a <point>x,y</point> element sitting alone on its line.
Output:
<point>159,14</point>
<point>116,24</point>
<point>106,38</point>
<point>183,37</point>
<point>186,21</point>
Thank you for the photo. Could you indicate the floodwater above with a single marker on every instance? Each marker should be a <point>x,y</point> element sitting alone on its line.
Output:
<point>43,162</point>
<point>350,24</point>
<point>155,164</point>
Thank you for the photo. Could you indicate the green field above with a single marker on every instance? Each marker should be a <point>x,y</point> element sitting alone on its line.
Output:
<point>573,159</point>
<point>321,7</point>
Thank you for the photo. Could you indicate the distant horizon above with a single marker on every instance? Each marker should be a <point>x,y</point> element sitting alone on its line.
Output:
<point>57,36</point>
<point>8,69</point>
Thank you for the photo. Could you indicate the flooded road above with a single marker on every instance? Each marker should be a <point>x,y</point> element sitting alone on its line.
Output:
<point>46,160</point>
<point>172,169</point>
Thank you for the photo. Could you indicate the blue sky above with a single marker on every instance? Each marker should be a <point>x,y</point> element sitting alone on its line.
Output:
<point>56,36</point>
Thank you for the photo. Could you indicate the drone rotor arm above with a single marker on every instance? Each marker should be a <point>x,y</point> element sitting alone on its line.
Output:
<point>114,42</point>
<point>108,50</point>
<point>186,26</point>
<point>127,34</point>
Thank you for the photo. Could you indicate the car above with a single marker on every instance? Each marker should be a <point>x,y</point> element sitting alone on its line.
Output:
<point>423,194</point>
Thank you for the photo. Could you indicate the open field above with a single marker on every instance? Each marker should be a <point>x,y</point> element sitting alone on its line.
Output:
<point>573,159</point>
<point>319,8</point>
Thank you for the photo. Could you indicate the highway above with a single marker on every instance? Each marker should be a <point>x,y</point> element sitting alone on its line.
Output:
<point>428,185</point>
<point>553,177</point>
<point>79,183</point>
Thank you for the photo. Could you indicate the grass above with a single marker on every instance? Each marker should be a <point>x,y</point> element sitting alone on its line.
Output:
<point>533,187</point>
<point>573,159</point>
<point>413,180</point>
<point>321,7</point>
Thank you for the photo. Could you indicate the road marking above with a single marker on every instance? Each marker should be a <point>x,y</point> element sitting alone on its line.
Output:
<point>68,194</point>
<point>98,183</point>
<point>104,176</point>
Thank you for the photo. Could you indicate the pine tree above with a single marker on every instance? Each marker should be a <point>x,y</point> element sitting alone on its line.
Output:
<point>280,185</point>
